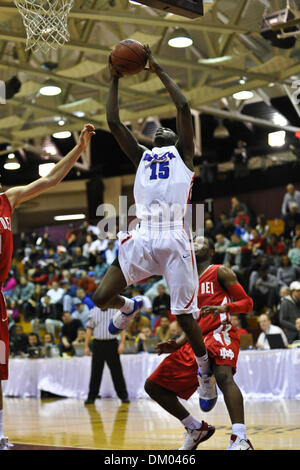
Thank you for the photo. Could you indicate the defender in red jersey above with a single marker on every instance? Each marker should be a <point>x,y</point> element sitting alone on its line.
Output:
<point>219,295</point>
<point>8,202</point>
<point>6,249</point>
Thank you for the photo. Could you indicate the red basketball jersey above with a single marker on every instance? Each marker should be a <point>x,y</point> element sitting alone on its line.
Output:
<point>212,293</point>
<point>6,237</point>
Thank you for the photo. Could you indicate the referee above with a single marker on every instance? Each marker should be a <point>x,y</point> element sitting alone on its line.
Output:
<point>106,348</point>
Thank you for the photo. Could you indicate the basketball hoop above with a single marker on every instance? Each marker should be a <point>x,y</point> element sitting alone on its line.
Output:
<point>46,23</point>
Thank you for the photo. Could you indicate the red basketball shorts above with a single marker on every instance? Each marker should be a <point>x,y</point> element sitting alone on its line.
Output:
<point>4,340</point>
<point>178,371</point>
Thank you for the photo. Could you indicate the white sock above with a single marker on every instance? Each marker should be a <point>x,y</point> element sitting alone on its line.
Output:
<point>239,430</point>
<point>191,423</point>
<point>128,306</point>
<point>1,423</point>
<point>203,364</point>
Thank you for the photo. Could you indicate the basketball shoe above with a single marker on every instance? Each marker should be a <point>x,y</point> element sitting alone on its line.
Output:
<point>207,391</point>
<point>193,437</point>
<point>4,444</point>
<point>239,444</point>
<point>120,320</point>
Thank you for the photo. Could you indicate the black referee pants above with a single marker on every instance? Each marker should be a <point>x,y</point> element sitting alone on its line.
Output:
<point>106,351</point>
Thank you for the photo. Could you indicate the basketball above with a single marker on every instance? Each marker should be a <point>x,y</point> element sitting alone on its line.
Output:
<point>129,57</point>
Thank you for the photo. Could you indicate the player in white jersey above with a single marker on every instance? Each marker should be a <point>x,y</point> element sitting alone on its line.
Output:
<point>161,245</point>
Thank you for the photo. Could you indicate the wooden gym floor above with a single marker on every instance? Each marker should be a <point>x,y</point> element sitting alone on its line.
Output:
<point>140,425</point>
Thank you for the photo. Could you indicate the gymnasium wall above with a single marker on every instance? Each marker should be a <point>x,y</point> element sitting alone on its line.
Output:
<point>82,196</point>
<point>67,197</point>
<point>267,202</point>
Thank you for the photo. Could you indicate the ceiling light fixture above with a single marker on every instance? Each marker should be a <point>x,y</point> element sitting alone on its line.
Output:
<point>215,60</point>
<point>62,135</point>
<point>180,38</point>
<point>221,132</point>
<point>12,162</point>
<point>60,218</point>
<point>50,89</point>
<point>79,114</point>
<point>243,95</point>
<point>242,80</point>
<point>276,139</point>
<point>45,168</point>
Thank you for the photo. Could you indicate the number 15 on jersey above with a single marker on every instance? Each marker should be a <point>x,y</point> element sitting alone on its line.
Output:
<point>160,170</point>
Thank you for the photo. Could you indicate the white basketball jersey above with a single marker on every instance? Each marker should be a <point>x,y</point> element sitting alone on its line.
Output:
<point>162,187</point>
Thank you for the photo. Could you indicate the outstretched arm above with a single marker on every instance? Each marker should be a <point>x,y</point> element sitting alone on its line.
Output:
<point>185,128</point>
<point>20,194</point>
<point>122,134</point>
<point>242,303</point>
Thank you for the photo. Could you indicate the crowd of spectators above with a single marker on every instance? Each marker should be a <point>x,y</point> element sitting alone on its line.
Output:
<point>266,263</point>
<point>50,286</point>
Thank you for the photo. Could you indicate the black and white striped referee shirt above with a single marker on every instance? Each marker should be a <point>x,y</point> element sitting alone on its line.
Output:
<point>99,320</point>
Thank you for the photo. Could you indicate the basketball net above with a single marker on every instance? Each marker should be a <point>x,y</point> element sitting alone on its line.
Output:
<point>46,23</point>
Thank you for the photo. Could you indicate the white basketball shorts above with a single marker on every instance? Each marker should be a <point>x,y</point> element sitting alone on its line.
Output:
<point>169,253</point>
